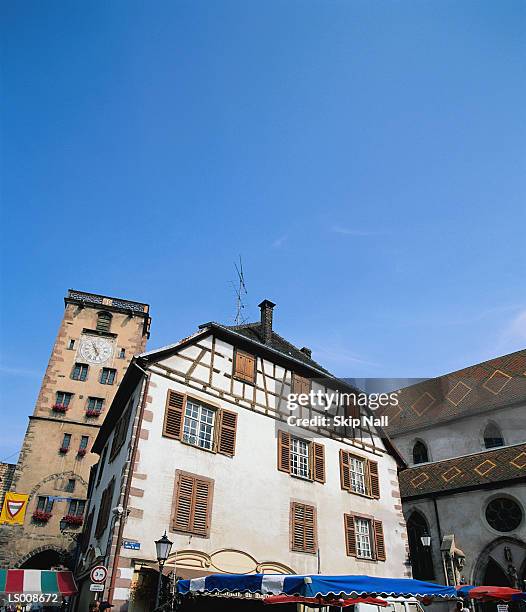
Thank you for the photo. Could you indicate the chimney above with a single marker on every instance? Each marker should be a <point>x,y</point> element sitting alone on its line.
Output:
<point>266,307</point>
<point>306,351</point>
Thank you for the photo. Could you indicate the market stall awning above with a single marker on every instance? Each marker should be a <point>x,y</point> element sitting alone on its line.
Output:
<point>37,581</point>
<point>314,585</point>
<point>322,601</point>
<point>491,593</point>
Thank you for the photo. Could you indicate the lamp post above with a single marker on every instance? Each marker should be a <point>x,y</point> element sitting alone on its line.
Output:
<point>425,538</point>
<point>163,547</point>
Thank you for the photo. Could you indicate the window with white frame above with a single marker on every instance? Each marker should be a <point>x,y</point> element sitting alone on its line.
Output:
<point>364,548</point>
<point>198,428</point>
<point>357,473</point>
<point>299,458</point>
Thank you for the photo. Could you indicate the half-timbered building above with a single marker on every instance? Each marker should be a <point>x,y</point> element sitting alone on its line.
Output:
<point>197,444</point>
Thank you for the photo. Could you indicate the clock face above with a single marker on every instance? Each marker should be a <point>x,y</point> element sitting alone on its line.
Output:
<point>96,350</point>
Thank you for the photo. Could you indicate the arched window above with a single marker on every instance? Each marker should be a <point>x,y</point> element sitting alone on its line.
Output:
<point>421,558</point>
<point>420,452</point>
<point>493,436</point>
<point>103,322</point>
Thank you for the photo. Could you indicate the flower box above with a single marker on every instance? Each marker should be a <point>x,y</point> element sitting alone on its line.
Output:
<point>92,413</point>
<point>63,449</point>
<point>81,452</point>
<point>59,408</point>
<point>73,519</point>
<point>41,517</point>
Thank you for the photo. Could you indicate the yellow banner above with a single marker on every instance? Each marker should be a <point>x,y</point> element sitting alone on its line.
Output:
<point>14,509</point>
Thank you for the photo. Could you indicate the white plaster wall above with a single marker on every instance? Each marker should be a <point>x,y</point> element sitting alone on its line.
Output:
<point>251,497</point>
<point>464,436</point>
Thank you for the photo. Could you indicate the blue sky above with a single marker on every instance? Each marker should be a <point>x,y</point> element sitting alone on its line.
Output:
<point>366,158</point>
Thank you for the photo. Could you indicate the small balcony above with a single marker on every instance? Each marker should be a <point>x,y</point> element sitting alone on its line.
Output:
<point>73,520</point>
<point>82,452</point>
<point>63,450</point>
<point>93,414</point>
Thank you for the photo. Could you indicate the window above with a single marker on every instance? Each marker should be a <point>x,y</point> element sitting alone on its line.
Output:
<point>107,376</point>
<point>66,440</point>
<point>62,398</point>
<point>193,503</point>
<point>420,454</point>
<point>80,372</point>
<point>95,404</point>
<point>70,486</point>
<point>301,458</point>
<point>122,353</point>
<point>303,536</point>
<point>71,344</point>
<point>104,509</point>
<point>121,431</point>
<point>103,322</point>
<point>364,537</point>
<point>198,426</point>
<point>300,384</point>
<point>503,514</point>
<point>76,507</point>
<point>84,442</point>
<point>359,475</point>
<point>191,421</point>
<point>493,436</point>
<point>244,366</point>
<point>86,533</point>
<point>421,558</point>
<point>101,465</point>
<point>45,504</point>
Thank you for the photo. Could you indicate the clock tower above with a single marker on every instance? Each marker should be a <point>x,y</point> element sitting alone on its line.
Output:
<point>96,340</point>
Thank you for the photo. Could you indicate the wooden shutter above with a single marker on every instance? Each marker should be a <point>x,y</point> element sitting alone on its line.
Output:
<point>318,455</point>
<point>345,476</point>
<point>379,540</point>
<point>86,534</point>
<point>300,384</point>
<point>284,451</point>
<point>303,528</point>
<point>227,433</point>
<point>350,537</point>
<point>193,502</point>
<point>173,415</point>
<point>104,509</point>
<point>373,479</point>
<point>245,366</point>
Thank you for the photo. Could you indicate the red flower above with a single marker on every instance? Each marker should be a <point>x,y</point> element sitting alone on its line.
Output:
<point>41,516</point>
<point>73,519</point>
<point>81,452</point>
<point>63,449</point>
<point>92,413</point>
<point>59,407</point>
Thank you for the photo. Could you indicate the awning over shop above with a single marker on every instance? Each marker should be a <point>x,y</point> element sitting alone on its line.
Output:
<point>37,581</point>
<point>314,585</point>
<point>323,601</point>
<point>491,593</point>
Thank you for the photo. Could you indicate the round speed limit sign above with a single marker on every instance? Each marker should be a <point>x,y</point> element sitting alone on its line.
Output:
<point>98,574</point>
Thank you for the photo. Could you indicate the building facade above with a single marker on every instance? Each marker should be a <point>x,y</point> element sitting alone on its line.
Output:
<point>464,437</point>
<point>197,443</point>
<point>97,338</point>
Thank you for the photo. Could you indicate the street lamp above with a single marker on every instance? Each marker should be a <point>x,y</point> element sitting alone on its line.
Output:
<point>425,538</point>
<point>163,547</point>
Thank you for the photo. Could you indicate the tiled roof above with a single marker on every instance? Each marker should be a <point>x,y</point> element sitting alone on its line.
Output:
<point>506,463</point>
<point>485,386</point>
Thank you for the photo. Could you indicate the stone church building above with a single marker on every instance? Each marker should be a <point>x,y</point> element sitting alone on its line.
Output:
<point>96,341</point>
<point>464,437</point>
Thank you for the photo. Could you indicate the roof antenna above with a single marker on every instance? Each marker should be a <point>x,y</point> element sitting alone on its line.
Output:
<point>241,291</point>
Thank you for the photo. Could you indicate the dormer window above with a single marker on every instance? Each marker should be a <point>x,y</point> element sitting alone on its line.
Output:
<point>420,454</point>
<point>103,322</point>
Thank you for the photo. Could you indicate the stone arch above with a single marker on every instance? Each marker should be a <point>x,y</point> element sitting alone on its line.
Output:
<point>421,557</point>
<point>420,452</point>
<point>491,435</point>
<point>488,554</point>
<point>60,554</point>
<point>56,476</point>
